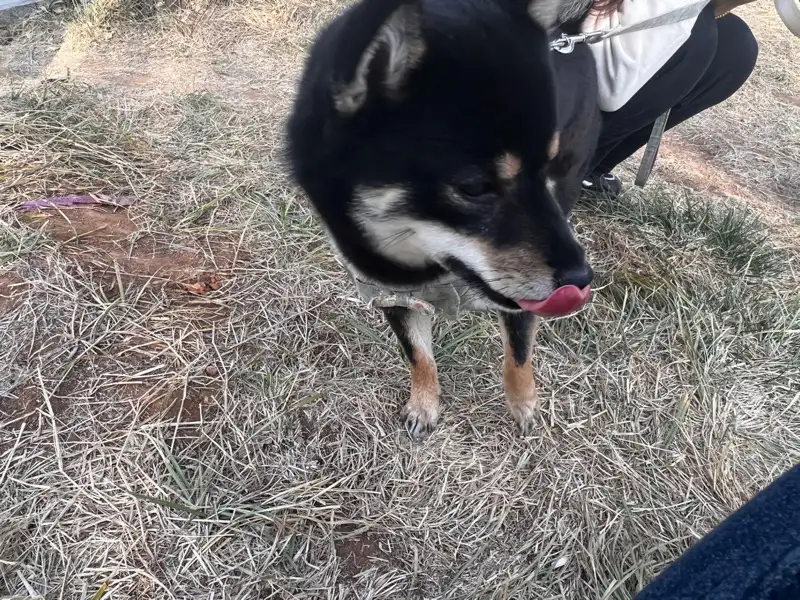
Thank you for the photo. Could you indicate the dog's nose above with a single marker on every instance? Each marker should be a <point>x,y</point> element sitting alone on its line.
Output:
<point>578,276</point>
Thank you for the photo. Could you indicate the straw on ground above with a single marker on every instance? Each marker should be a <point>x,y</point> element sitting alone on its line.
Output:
<point>194,404</point>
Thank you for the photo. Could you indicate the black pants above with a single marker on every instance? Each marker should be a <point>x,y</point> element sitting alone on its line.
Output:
<point>711,65</point>
<point>752,555</point>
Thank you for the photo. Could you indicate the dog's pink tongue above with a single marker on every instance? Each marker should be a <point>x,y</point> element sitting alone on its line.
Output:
<point>565,300</point>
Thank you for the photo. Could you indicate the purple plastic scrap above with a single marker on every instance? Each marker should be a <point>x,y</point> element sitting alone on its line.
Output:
<point>71,202</point>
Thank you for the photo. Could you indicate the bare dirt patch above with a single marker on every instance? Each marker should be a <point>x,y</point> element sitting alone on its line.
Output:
<point>190,404</point>
<point>28,404</point>
<point>234,52</point>
<point>688,165</point>
<point>109,256</point>
<point>12,291</point>
<point>109,241</point>
<point>753,135</point>
<point>359,551</point>
<point>20,406</point>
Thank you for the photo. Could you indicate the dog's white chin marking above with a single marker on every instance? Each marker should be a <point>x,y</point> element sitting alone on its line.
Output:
<point>378,211</point>
<point>412,242</point>
<point>416,243</point>
<point>550,184</point>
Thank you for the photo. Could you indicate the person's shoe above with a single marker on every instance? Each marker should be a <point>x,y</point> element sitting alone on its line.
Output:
<point>606,185</point>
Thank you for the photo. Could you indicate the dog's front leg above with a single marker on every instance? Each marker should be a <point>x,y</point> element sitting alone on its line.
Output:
<point>518,330</point>
<point>413,329</point>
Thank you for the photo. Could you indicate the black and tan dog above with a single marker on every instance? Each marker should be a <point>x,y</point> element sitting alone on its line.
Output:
<point>442,138</point>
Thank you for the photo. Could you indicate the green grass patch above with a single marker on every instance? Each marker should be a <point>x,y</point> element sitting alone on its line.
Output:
<point>733,234</point>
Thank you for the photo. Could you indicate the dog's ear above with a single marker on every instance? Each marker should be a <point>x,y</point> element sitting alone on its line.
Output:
<point>391,29</point>
<point>550,13</point>
<point>545,12</point>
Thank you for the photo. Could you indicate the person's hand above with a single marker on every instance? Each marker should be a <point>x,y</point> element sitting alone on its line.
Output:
<point>722,7</point>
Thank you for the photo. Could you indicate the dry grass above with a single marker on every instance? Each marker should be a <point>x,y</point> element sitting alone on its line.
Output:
<point>242,441</point>
<point>754,136</point>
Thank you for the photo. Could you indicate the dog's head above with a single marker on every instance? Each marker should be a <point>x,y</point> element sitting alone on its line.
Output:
<point>422,134</point>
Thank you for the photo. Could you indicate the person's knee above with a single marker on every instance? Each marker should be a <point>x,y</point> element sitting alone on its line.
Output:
<point>738,46</point>
<point>701,47</point>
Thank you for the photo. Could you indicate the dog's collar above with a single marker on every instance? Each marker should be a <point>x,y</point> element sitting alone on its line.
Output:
<point>447,297</point>
<point>378,297</point>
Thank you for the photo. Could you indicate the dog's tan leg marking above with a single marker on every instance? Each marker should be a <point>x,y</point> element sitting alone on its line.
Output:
<point>520,389</point>
<point>421,412</point>
<point>413,330</point>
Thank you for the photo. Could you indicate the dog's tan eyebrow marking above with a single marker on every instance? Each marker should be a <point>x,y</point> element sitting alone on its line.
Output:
<point>508,166</point>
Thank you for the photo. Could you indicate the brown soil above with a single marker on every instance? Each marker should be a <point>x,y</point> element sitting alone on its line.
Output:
<point>686,164</point>
<point>108,242</point>
<point>12,291</point>
<point>20,406</point>
<point>175,405</point>
<point>190,405</point>
<point>29,405</point>
<point>359,552</point>
<point>241,69</point>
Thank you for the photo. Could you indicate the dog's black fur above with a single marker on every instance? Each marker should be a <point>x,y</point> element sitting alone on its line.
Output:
<point>424,134</point>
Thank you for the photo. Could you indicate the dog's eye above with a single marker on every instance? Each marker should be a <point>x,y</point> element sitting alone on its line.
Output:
<point>475,187</point>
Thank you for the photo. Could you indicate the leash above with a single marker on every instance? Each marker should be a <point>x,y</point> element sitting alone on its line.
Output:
<point>651,150</point>
<point>566,44</point>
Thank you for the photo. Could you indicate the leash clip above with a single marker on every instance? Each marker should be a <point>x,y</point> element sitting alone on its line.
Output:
<point>566,43</point>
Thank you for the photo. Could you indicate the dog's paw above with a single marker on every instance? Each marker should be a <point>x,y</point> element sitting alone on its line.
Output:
<point>420,416</point>
<point>523,410</point>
